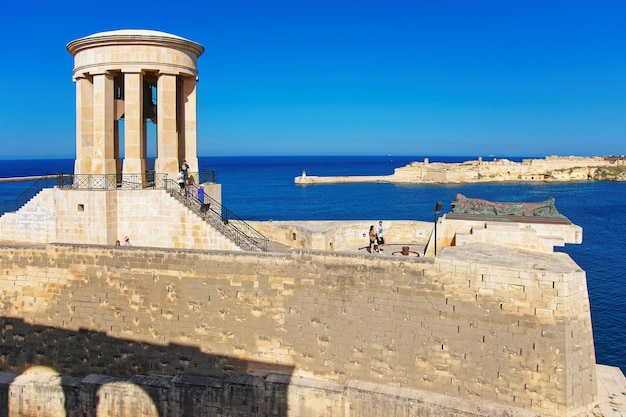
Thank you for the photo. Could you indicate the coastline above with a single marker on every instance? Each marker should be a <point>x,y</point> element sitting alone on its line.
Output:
<point>549,169</point>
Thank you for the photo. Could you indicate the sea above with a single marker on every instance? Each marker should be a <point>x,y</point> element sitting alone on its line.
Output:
<point>262,188</point>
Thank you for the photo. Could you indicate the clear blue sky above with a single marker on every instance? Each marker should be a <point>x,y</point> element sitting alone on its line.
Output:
<point>318,77</point>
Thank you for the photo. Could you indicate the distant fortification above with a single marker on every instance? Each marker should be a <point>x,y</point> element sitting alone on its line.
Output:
<point>552,168</point>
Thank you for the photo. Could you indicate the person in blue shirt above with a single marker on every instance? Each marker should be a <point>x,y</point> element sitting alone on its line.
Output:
<point>201,198</point>
<point>185,168</point>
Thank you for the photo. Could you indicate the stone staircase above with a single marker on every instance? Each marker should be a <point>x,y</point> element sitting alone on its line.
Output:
<point>222,219</point>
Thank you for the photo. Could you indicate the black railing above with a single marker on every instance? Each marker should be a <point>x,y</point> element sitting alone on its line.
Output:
<point>114,181</point>
<point>150,179</point>
<point>98,182</point>
<point>46,181</point>
<point>218,216</point>
<point>202,176</point>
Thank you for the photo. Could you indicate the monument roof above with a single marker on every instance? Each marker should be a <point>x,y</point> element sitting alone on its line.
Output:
<point>133,36</point>
<point>134,32</point>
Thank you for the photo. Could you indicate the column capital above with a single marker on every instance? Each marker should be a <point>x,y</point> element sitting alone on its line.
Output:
<point>133,70</point>
<point>92,73</point>
<point>172,73</point>
<point>81,76</point>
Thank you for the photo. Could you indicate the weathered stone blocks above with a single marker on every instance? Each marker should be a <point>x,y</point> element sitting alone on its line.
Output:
<point>471,327</point>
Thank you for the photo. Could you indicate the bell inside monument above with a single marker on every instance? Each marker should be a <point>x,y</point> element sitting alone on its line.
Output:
<point>149,106</point>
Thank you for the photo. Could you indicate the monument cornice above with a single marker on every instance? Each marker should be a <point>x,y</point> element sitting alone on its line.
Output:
<point>119,67</point>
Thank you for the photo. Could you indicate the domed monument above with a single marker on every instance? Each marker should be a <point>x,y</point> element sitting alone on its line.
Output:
<point>134,76</point>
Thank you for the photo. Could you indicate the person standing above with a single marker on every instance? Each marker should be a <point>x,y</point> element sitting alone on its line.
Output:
<point>180,178</point>
<point>201,198</point>
<point>373,240</point>
<point>380,235</point>
<point>126,241</point>
<point>185,169</point>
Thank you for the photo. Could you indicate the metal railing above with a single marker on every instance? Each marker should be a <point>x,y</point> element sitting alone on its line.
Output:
<point>150,179</point>
<point>204,175</point>
<point>97,182</point>
<point>46,181</point>
<point>218,216</point>
<point>106,182</point>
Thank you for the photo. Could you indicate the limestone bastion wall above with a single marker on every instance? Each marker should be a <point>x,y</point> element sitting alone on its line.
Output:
<point>459,328</point>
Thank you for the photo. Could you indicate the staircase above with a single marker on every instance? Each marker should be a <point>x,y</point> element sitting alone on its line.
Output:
<point>218,216</point>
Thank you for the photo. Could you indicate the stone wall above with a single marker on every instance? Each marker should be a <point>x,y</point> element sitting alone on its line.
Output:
<point>340,235</point>
<point>238,395</point>
<point>536,236</point>
<point>478,324</point>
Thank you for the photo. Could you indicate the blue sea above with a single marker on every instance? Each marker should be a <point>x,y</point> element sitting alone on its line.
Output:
<point>262,188</point>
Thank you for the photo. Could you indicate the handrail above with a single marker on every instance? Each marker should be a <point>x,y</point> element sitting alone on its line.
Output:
<point>104,182</point>
<point>41,183</point>
<point>224,220</point>
<point>202,176</point>
<point>150,179</point>
<point>94,182</point>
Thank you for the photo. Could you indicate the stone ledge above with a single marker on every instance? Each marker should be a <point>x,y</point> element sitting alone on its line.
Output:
<point>611,388</point>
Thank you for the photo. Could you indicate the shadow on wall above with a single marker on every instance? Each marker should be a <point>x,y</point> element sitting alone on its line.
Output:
<point>106,372</point>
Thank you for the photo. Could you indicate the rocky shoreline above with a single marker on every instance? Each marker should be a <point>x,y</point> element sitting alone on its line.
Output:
<point>551,168</point>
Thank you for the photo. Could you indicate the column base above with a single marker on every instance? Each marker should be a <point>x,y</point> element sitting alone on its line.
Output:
<point>82,166</point>
<point>167,166</point>
<point>134,173</point>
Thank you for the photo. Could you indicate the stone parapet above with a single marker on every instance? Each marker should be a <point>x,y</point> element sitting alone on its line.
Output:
<point>524,234</point>
<point>341,235</point>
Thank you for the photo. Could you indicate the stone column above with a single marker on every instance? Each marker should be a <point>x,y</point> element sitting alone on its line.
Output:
<point>103,161</point>
<point>190,123</point>
<point>135,162</point>
<point>84,125</point>
<point>167,161</point>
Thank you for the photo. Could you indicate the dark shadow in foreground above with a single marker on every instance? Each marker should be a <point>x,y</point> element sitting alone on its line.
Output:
<point>180,380</point>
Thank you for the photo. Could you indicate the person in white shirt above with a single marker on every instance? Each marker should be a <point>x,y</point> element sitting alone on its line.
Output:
<point>381,238</point>
<point>180,178</point>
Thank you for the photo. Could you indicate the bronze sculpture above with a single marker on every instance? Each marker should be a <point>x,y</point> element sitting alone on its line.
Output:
<point>477,206</point>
